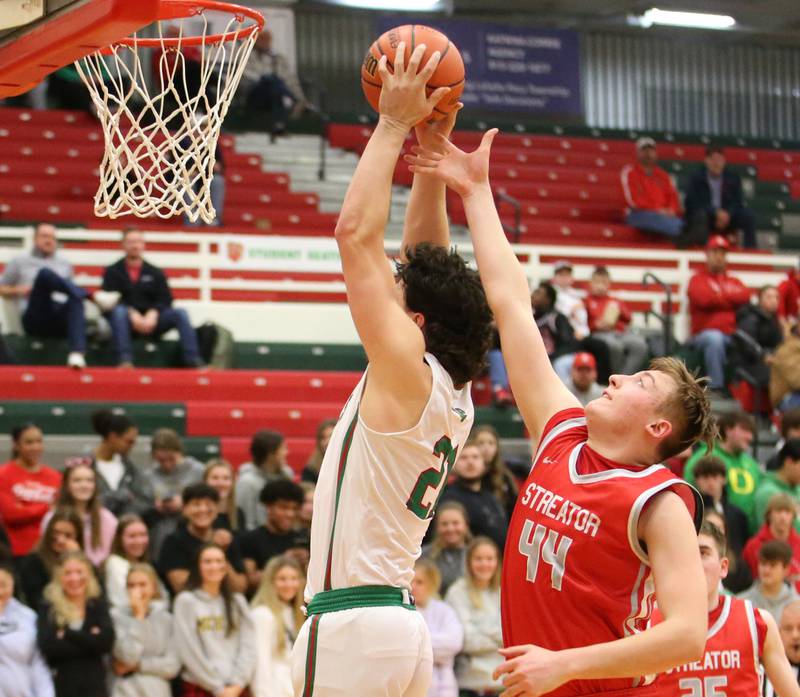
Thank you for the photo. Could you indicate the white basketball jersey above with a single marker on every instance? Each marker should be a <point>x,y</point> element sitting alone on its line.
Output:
<point>377,491</point>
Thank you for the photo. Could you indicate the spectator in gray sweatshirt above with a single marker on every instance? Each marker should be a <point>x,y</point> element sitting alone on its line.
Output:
<point>214,633</point>
<point>48,301</point>
<point>23,672</point>
<point>144,655</point>
<point>268,450</point>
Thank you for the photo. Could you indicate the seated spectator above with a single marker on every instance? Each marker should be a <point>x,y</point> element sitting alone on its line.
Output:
<point>779,520</point>
<point>278,535</point>
<point>448,548</point>
<point>789,628</point>
<point>145,305</point>
<point>790,428</point>
<point>268,451</point>
<point>785,480</point>
<point>64,533</point>
<point>609,322</point>
<point>27,489</point>
<point>180,549</point>
<point>569,300</point>
<point>444,627</point>
<point>736,431</point>
<point>219,474</point>
<point>556,330</point>
<point>123,487</point>
<point>271,86</point>
<point>79,492</point>
<point>310,472</point>
<point>23,671</point>
<point>75,631</point>
<point>277,612</point>
<point>652,201</point>
<point>498,478</point>
<point>485,511</point>
<point>476,600</point>
<point>771,592</point>
<point>144,654</point>
<point>710,476</point>
<point>172,472</point>
<point>714,298</point>
<point>214,632</point>
<point>714,202</point>
<point>789,303</point>
<point>784,379</point>
<point>306,513</point>
<point>758,335</point>
<point>583,378</point>
<point>49,303</point>
<point>131,547</point>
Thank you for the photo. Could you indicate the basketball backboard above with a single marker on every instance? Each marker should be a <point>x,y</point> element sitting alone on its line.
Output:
<point>41,36</point>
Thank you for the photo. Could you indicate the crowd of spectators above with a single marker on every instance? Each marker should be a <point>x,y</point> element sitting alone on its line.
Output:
<point>179,577</point>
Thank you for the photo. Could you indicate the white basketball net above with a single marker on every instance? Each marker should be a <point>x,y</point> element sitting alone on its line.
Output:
<point>162,121</point>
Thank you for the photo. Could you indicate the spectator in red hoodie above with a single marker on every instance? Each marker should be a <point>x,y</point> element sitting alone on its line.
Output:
<point>27,489</point>
<point>714,297</point>
<point>652,203</point>
<point>779,525</point>
<point>609,321</point>
<point>789,308</point>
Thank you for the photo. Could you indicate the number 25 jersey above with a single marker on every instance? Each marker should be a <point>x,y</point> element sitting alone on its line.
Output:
<point>575,572</point>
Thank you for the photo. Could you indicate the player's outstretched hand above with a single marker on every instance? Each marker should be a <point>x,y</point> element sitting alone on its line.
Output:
<point>530,671</point>
<point>461,171</point>
<point>428,132</point>
<point>403,100</point>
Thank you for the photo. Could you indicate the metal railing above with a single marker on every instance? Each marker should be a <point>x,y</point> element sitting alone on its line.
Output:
<point>514,230</point>
<point>666,317</point>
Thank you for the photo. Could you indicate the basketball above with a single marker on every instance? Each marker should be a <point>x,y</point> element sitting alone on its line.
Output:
<point>449,72</point>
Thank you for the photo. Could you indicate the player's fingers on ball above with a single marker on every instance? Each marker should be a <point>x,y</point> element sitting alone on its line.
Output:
<point>383,68</point>
<point>438,95</point>
<point>416,59</point>
<point>400,59</point>
<point>430,66</point>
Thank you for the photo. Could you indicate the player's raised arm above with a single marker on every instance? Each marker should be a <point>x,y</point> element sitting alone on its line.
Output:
<point>393,342</point>
<point>426,213</point>
<point>538,390</point>
<point>776,665</point>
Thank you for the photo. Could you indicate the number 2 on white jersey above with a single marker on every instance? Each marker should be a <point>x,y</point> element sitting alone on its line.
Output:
<point>547,545</point>
<point>707,687</point>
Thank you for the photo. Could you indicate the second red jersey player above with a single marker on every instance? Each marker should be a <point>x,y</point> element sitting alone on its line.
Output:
<point>573,535</point>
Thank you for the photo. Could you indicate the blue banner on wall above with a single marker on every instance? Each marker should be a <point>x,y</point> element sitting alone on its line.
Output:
<point>508,68</point>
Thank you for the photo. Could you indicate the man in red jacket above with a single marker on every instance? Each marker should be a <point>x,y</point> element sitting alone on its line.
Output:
<point>652,203</point>
<point>789,308</point>
<point>714,297</point>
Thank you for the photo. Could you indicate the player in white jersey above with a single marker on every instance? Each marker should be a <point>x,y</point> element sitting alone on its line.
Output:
<point>426,331</point>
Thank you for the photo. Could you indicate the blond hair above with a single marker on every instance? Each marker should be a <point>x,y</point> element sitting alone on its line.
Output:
<point>62,610</point>
<point>150,572</point>
<point>266,596</point>
<point>473,591</point>
<point>230,504</point>
<point>687,407</point>
<point>430,571</point>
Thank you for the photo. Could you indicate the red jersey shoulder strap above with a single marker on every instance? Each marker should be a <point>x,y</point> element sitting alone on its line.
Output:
<point>560,423</point>
<point>758,629</point>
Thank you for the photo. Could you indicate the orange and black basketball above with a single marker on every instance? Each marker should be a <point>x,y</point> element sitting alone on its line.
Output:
<point>449,72</point>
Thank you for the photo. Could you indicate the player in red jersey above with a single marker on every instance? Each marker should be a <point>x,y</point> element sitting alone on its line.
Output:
<point>741,640</point>
<point>598,530</point>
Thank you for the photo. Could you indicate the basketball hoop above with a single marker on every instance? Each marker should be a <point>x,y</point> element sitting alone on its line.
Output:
<point>161,120</point>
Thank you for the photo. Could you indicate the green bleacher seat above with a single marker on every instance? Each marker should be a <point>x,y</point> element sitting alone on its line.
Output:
<point>508,422</point>
<point>74,418</point>
<point>252,355</point>
<point>202,449</point>
<point>149,354</point>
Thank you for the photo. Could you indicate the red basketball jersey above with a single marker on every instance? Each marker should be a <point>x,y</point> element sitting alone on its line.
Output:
<point>731,663</point>
<point>574,571</point>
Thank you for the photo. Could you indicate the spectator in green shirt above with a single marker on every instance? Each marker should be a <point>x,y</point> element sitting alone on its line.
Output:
<point>785,480</point>
<point>736,432</point>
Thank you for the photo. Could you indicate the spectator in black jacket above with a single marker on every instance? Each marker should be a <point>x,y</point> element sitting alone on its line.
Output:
<point>145,305</point>
<point>758,334</point>
<point>714,202</point>
<point>484,510</point>
<point>555,328</point>
<point>75,632</point>
<point>790,429</point>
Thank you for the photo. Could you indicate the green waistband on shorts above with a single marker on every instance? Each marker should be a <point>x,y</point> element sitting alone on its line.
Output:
<point>359,596</point>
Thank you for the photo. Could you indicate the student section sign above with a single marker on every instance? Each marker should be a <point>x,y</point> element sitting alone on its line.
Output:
<point>513,69</point>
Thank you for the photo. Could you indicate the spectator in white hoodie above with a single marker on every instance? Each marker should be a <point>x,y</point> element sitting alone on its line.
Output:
<point>144,654</point>
<point>447,636</point>
<point>476,600</point>
<point>23,672</point>
<point>277,617</point>
<point>213,630</point>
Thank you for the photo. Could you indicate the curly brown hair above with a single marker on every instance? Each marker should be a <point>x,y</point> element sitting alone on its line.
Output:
<point>449,295</point>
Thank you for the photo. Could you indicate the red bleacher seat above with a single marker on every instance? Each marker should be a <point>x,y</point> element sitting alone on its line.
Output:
<point>239,418</point>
